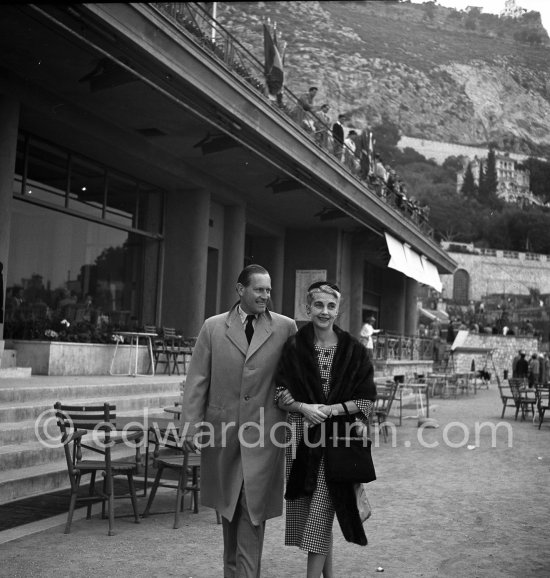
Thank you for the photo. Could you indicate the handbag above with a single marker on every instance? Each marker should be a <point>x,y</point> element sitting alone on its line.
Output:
<point>349,459</point>
<point>363,505</point>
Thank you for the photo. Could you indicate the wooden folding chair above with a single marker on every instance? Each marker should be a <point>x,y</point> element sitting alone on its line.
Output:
<point>92,428</point>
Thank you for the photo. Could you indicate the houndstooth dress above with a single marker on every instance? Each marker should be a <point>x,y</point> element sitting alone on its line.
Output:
<point>309,519</point>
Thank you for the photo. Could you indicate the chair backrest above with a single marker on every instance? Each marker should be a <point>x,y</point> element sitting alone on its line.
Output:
<point>505,390</point>
<point>150,329</point>
<point>76,420</point>
<point>386,395</point>
<point>515,383</point>
<point>542,394</point>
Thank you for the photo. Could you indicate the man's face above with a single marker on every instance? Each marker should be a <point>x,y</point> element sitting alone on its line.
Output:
<point>255,295</point>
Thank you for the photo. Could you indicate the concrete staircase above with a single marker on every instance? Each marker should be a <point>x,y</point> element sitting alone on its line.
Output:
<point>31,460</point>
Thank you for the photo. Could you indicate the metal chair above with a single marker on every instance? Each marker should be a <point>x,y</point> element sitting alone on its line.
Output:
<point>524,398</point>
<point>542,394</point>
<point>98,423</point>
<point>182,462</point>
<point>506,395</point>
<point>383,403</point>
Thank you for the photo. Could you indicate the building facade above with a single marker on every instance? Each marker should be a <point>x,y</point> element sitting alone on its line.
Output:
<point>142,168</point>
<point>513,180</point>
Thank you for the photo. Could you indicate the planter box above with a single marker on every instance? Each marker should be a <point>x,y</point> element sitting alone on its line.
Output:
<point>61,358</point>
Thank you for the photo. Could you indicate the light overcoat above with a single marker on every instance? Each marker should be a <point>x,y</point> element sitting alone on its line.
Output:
<point>230,386</point>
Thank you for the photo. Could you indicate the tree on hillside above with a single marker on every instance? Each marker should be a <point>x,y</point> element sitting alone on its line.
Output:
<point>482,186</point>
<point>490,182</point>
<point>387,136</point>
<point>469,188</point>
<point>454,164</point>
<point>539,177</point>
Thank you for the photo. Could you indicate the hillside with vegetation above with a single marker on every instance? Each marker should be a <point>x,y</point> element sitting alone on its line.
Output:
<point>430,72</point>
<point>437,73</point>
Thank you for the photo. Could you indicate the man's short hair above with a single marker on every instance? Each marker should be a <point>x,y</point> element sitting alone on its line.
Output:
<point>248,271</point>
<point>313,88</point>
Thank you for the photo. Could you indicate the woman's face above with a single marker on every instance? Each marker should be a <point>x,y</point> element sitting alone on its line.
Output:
<point>323,310</point>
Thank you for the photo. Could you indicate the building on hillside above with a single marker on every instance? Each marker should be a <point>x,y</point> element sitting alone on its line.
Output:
<point>142,165</point>
<point>513,180</point>
<point>512,10</point>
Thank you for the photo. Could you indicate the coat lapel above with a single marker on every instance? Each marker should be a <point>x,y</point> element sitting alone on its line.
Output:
<point>262,332</point>
<point>235,331</point>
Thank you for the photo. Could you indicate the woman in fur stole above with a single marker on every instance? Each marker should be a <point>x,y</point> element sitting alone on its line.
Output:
<point>322,369</point>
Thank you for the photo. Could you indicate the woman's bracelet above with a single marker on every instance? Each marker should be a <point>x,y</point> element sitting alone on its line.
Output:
<point>300,406</point>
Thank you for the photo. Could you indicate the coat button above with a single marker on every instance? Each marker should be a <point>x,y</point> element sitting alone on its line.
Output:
<point>246,397</point>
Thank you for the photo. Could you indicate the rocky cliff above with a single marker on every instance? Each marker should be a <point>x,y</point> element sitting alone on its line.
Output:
<point>435,72</point>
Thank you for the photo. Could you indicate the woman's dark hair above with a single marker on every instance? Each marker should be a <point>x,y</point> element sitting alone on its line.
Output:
<point>248,271</point>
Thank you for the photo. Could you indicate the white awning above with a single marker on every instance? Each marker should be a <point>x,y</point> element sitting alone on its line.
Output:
<point>432,275</point>
<point>407,261</point>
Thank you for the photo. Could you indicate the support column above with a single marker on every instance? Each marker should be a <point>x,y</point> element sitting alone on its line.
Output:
<point>9,124</point>
<point>411,309</point>
<point>392,307</point>
<point>185,260</point>
<point>233,253</point>
<point>356,291</point>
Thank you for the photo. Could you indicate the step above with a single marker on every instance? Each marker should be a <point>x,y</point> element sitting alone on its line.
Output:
<point>29,410</point>
<point>13,433</point>
<point>52,391</point>
<point>15,373</point>
<point>42,478</point>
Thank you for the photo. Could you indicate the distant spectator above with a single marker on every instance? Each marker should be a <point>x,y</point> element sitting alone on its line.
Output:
<point>305,105</point>
<point>322,126</point>
<point>543,370</point>
<point>338,136</point>
<point>350,157</point>
<point>534,368</point>
<point>521,367</point>
<point>379,169</point>
<point>367,331</point>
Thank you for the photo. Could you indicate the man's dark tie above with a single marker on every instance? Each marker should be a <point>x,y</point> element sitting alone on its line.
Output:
<point>249,329</point>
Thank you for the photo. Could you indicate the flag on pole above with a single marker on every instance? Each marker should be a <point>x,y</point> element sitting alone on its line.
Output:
<point>273,67</point>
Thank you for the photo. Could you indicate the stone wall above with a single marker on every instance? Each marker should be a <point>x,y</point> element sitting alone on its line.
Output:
<point>495,272</point>
<point>439,151</point>
<point>504,348</point>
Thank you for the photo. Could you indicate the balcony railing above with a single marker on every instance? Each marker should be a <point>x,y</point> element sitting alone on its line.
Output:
<point>198,24</point>
<point>402,347</point>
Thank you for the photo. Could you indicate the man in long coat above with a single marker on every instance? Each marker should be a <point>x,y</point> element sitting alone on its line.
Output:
<point>230,388</point>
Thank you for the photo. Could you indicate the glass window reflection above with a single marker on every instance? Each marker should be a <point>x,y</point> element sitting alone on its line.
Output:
<point>76,271</point>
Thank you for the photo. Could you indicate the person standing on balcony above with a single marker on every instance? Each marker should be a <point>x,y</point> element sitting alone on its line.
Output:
<point>305,105</point>
<point>367,331</point>
<point>338,136</point>
<point>322,126</point>
<point>230,414</point>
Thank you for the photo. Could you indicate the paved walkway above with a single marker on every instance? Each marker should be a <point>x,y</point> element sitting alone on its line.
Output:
<point>446,504</point>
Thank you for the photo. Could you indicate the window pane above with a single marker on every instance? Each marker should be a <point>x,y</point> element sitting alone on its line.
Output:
<point>87,187</point>
<point>122,200</point>
<point>46,173</point>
